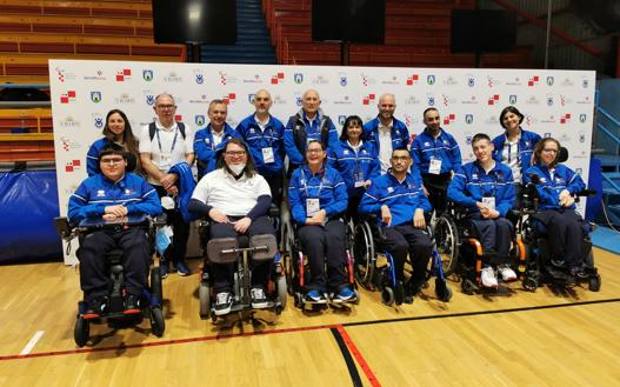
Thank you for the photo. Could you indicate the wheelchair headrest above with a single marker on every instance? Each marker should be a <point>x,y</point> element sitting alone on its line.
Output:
<point>562,155</point>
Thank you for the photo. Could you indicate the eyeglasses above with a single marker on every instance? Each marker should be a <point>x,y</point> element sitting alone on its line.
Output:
<point>113,161</point>
<point>164,107</point>
<point>314,150</point>
<point>401,158</point>
<point>235,153</point>
<point>550,150</point>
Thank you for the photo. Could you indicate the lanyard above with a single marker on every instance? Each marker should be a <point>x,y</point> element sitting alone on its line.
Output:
<point>305,183</point>
<point>174,140</point>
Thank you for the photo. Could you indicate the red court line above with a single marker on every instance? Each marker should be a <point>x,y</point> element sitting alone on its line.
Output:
<point>358,357</point>
<point>164,342</point>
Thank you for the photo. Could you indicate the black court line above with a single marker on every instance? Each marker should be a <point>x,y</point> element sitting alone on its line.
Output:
<point>295,329</point>
<point>355,376</point>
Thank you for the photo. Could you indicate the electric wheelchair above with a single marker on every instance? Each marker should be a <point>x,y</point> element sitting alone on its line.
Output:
<point>298,272</point>
<point>375,270</point>
<point>151,302</point>
<point>543,268</point>
<point>238,251</point>
<point>462,254</point>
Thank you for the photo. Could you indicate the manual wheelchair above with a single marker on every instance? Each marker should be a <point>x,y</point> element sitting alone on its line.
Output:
<point>375,269</point>
<point>238,251</point>
<point>151,305</point>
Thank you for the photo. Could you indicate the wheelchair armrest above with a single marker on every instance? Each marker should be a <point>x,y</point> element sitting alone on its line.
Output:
<point>586,193</point>
<point>274,211</point>
<point>64,228</point>
<point>159,220</point>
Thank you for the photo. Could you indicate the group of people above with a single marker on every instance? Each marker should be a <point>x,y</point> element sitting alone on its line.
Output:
<point>372,168</point>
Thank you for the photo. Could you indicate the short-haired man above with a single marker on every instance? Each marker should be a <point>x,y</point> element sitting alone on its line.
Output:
<point>264,135</point>
<point>310,123</point>
<point>386,132</point>
<point>436,155</point>
<point>211,139</point>
<point>163,144</point>
<point>112,195</point>
<point>398,199</point>
<point>484,187</point>
<point>237,200</point>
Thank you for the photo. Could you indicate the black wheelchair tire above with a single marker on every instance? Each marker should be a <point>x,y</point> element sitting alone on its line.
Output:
<point>448,223</point>
<point>387,296</point>
<point>282,290</point>
<point>204,299</point>
<point>156,285</point>
<point>81,331</point>
<point>158,324</point>
<point>594,283</point>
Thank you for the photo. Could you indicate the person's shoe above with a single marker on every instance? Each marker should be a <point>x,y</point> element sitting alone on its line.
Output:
<point>223,303</point>
<point>578,273</point>
<point>132,304</point>
<point>315,297</point>
<point>507,273</point>
<point>95,307</point>
<point>259,299</point>
<point>182,268</point>
<point>487,276</point>
<point>163,268</point>
<point>345,294</point>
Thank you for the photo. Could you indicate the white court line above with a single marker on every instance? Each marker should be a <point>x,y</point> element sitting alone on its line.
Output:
<point>33,341</point>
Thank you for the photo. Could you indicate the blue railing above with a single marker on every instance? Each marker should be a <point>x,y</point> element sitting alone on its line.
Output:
<point>611,182</point>
<point>601,111</point>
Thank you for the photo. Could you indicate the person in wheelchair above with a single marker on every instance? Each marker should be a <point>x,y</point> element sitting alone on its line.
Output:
<point>484,188</point>
<point>111,196</point>
<point>398,199</point>
<point>356,161</point>
<point>236,199</point>
<point>556,185</point>
<point>318,199</point>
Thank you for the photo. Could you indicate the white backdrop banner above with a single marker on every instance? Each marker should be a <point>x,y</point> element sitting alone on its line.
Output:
<point>555,103</point>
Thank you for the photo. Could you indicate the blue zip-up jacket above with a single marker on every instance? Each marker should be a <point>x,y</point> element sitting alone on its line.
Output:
<point>186,184</point>
<point>526,145</point>
<point>471,183</point>
<point>256,139</point>
<point>549,188</point>
<point>350,164</point>
<point>92,157</point>
<point>97,192</point>
<point>298,129</point>
<point>327,185</point>
<point>445,148</point>
<point>206,152</point>
<point>403,199</point>
<point>400,133</point>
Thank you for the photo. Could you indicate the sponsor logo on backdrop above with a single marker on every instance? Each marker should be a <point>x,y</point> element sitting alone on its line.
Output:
<point>178,117</point>
<point>368,99</point>
<point>201,101</point>
<point>471,101</point>
<point>173,77</point>
<point>549,100</point>
<point>449,118</point>
<point>585,83</point>
<point>584,101</point>
<point>73,165</point>
<point>582,136</point>
<point>125,99</point>
<point>150,99</point>
<point>583,118</point>
<point>564,138</point>
<point>412,79</point>
<point>530,120</point>
<point>298,78</point>
<point>95,96</point>
<point>547,135</point>
<point>450,81</point>
<point>514,82</point>
<point>345,100</point>
<point>229,98</point>
<point>512,98</point>
<point>98,76</point>
<point>342,79</point>
<point>68,97</point>
<point>491,120</point>
<point>565,100</point>
<point>567,82</point>
<point>550,81</point>
<point>69,123</point>
<point>277,78</point>
<point>410,120</point>
<point>298,98</point>
<point>63,75</point>
<point>199,78</point>
<point>492,100</point>
<point>412,100</point>
<point>471,80</point>
<point>279,100</point>
<point>320,80</point>
<point>565,118</point>
<point>123,75</point>
<point>430,100</point>
<point>468,138</point>
<point>446,100</point>
<point>532,100</point>
<point>492,82</point>
<point>391,81</point>
<point>366,80</point>
<point>251,98</point>
<point>469,119</point>
<point>341,119</point>
<point>68,144</point>
<point>256,79</point>
<point>199,119</point>
<point>226,79</point>
<point>98,120</point>
<point>548,120</point>
<point>430,79</point>
<point>147,75</point>
<point>533,81</point>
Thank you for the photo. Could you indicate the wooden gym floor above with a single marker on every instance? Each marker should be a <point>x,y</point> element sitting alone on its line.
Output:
<point>517,338</point>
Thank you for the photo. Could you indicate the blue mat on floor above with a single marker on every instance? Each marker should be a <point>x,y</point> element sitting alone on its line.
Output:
<point>607,239</point>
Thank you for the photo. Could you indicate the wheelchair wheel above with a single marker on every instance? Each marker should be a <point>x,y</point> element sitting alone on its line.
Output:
<point>387,296</point>
<point>447,239</point>
<point>364,255</point>
<point>594,283</point>
<point>442,291</point>
<point>282,291</point>
<point>156,286</point>
<point>204,297</point>
<point>81,331</point>
<point>468,287</point>
<point>530,284</point>
<point>158,324</point>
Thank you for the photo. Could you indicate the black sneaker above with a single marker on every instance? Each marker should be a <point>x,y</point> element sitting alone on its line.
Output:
<point>163,268</point>
<point>132,304</point>
<point>96,307</point>
<point>259,299</point>
<point>223,303</point>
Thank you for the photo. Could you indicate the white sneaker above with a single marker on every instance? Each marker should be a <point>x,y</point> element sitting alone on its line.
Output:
<point>487,276</point>
<point>223,303</point>
<point>259,299</point>
<point>507,273</point>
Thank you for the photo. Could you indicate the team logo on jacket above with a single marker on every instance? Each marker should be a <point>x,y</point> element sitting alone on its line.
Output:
<point>469,119</point>
<point>346,151</point>
<point>199,119</point>
<point>95,96</point>
<point>430,80</point>
<point>147,75</point>
<point>390,189</point>
<point>298,78</point>
<point>100,193</point>
<point>512,98</point>
<point>128,191</point>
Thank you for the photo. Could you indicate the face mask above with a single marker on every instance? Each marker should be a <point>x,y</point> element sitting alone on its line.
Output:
<point>236,169</point>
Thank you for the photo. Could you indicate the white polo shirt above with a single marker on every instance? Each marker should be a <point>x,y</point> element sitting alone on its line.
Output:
<point>232,197</point>
<point>510,157</point>
<point>385,146</point>
<point>164,149</point>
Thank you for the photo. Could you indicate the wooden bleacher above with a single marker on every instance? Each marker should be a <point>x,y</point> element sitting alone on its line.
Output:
<point>34,31</point>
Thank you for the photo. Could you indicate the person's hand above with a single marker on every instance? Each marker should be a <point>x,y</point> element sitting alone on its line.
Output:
<point>386,215</point>
<point>218,216</point>
<point>109,217</point>
<point>367,183</point>
<point>566,199</point>
<point>312,222</point>
<point>491,214</point>
<point>319,217</point>
<point>418,219</point>
<point>481,206</point>
<point>425,191</point>
<point>117,210</point>
<point>168,180</point>
<point>173,190</point>
<point>242,225</point>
